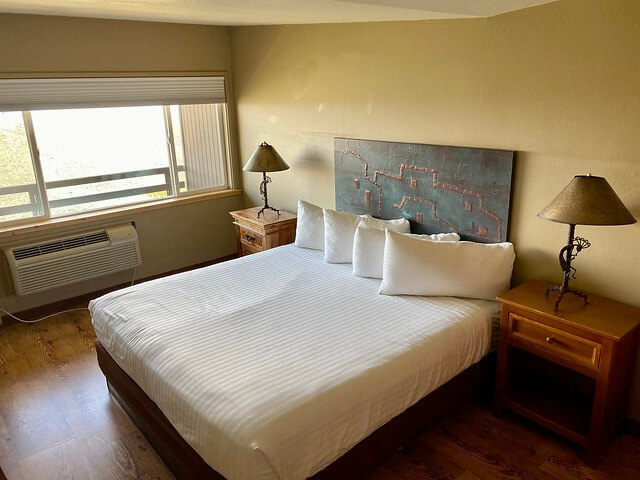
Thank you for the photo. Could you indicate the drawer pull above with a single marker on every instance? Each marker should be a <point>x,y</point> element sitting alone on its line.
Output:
<point>555,341</point>
<point>249,238</point>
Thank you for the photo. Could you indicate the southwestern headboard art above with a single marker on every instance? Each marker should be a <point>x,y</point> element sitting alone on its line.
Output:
<point>437,188</point>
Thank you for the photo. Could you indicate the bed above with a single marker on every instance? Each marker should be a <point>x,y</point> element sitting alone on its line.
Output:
<point>281,366</point>
<point>274,365</point>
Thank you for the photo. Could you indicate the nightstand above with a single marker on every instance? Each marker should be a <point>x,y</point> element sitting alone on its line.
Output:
<point>255,234</point>
<point>568,370</point>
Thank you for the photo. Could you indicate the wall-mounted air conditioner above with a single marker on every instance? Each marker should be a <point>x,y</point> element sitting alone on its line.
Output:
<point>56,262</point>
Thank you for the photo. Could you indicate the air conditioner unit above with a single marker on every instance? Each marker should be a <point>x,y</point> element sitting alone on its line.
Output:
<point>52,263</point>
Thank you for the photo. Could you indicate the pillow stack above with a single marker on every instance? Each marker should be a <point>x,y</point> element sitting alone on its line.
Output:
<point>340,229</point>
<point>425,265</point>
<point>368,248</point>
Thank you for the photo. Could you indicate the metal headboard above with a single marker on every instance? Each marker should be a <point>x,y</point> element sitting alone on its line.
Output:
<point>438,188</point>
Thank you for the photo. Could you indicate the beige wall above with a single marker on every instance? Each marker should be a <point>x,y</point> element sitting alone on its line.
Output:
<point>170,238</point>
<point>35,43</point>
<point>560,84</point>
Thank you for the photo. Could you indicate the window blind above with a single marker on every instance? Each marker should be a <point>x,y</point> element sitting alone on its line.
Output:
<point>56,93</point>
<point>203,143</point>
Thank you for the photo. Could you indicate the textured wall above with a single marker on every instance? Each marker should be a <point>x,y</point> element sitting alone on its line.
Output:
<point>558,83</point>
<point>170,238</point>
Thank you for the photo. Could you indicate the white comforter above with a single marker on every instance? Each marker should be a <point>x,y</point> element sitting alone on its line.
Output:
<point>273,365</point>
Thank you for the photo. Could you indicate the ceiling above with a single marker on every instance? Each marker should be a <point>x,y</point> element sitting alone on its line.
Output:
<point>266,12</point>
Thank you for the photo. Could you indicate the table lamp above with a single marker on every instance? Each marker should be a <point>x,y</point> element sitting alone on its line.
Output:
<point>587,200</point>
<point>265,159</point>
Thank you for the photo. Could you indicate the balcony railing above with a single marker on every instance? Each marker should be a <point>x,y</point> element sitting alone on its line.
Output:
<point>35,207</point>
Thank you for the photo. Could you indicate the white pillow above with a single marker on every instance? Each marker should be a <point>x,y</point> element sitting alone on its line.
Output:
<point>310,226</point>
<point>339,229</point>
<point>401,225</point>
<point>448,269</point>
<point>368,248</point>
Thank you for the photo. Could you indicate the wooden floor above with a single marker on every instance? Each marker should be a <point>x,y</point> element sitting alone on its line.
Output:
<point>57,421</point>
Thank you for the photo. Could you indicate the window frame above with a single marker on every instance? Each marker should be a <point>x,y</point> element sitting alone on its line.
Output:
<point>223,131</point>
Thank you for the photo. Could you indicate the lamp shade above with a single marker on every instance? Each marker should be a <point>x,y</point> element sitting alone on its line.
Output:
<point>265,159</point>
<point>588,200</point>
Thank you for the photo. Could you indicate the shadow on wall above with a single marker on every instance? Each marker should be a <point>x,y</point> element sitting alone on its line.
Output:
<point>549,269</point>
<point>634,208</point>
<point>310,159</point>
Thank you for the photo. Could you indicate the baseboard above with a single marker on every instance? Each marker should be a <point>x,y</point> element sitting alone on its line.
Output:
<point>82,300</point>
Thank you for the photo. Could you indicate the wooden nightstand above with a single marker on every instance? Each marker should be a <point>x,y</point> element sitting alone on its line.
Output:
<point>570,370</point>
<point>255,234</point>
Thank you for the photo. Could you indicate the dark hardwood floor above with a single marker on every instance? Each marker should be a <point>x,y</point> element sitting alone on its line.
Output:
<point>57,421</point>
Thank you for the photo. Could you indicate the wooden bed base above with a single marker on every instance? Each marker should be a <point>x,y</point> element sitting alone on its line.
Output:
<point>186,464</point>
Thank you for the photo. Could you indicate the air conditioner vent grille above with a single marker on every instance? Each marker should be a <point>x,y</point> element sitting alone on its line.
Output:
<point>34,278</point>
<point>60,245</point>
<point>57,262</point>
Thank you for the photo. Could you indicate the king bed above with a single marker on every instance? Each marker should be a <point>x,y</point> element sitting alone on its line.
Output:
<point>282,366</point>
<point>273,365</point>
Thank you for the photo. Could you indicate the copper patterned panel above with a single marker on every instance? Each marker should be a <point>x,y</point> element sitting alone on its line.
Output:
<point>438,188</point>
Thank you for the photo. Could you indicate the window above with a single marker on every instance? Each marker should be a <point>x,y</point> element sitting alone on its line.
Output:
<point>19,192</point>
<point>62,161</point>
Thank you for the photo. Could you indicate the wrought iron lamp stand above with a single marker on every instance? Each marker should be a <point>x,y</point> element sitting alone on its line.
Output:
<point>567,254</point>
<point>263,193</point>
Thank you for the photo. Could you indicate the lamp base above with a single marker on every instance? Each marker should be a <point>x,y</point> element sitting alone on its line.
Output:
<point>267,207</point>
<point>265,195</point>
<point>563,291</point>
<point>569,252</point>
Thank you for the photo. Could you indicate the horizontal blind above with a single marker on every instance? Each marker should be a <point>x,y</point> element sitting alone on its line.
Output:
<point>56,93</point>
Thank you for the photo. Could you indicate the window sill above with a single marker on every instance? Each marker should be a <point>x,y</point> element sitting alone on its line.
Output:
<point>43,225</point>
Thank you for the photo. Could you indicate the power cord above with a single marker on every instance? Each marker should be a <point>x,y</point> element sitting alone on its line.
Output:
<point>63,311</point>
<point>43,318</point>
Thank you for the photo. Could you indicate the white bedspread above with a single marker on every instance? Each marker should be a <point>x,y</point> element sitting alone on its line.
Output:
<point>272,366</point>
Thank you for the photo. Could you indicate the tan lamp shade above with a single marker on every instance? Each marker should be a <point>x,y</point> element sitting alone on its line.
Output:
<point>265,159</point>
<point>588,200</point>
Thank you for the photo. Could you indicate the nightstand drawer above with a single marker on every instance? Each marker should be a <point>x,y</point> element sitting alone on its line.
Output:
<point>247,249</point>
<point>249,237</point>
<point>555,341</point>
